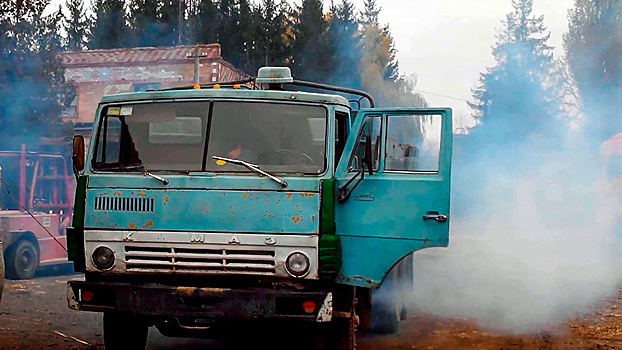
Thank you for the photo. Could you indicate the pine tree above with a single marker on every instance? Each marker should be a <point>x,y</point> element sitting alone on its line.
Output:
<point>154,22</point>
<point>169,23</point>
<point>76,25</point>
<point>109,26</point>
<point>345,39</point>
<point>311,46</point>
<point>593,48</point>
<point>271,36</point>
<point>513,103</point>
<point>207,22</point>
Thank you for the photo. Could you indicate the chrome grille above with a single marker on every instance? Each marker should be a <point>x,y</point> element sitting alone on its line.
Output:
<point>127,204</point>
<point>199,260</point>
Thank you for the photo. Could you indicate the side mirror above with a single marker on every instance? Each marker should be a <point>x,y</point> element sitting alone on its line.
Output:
<point>368,160</point>
<point>78,154</point>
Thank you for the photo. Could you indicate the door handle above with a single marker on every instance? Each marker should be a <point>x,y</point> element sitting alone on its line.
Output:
<point>432,215</point>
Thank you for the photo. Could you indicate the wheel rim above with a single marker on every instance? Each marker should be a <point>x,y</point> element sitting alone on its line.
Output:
<point>26,260</point>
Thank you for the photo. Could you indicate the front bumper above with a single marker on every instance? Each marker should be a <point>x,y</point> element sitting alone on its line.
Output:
<point>166,301</point>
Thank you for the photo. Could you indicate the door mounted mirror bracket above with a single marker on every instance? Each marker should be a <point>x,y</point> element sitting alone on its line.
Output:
<point>343,192</point>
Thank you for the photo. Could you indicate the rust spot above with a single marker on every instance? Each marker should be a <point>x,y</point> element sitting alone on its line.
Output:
<point>186,291</point>
<point>116,193</point>
<point>165,200</point>
<point>295,219</point>
<point>288,195</point>
<point>132,225</point>
<point>132,193</point>
<point>149,223</point>
<point>316,232</point>
<point>312,217</point>
<point>204,209</point>
<point>307,194</point>
<point>244,195</point>
<point>142,194</point>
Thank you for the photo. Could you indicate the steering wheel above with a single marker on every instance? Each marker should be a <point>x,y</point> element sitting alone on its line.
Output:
<point>296,153</point>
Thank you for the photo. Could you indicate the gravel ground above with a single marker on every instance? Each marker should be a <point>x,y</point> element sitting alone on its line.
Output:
<point>34,315</point>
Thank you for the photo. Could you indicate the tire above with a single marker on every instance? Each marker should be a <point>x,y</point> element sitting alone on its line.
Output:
<point>22,260</point>
<point>123,331</point>
<point>341,334</point>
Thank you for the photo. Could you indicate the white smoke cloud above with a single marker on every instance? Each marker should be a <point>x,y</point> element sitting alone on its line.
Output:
<point>539,248</point>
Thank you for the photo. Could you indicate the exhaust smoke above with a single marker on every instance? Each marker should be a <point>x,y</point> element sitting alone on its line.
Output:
<point>531,247</point>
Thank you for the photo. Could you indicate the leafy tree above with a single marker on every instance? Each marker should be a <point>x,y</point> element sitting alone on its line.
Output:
<point>593,47</point>
<point>75,25</point>
<point>109,26</point>
<point>378,66</point>
<point>513,103</point>
<point>32,85</point>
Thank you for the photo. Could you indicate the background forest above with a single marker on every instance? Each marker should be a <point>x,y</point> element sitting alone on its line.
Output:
<point>526,92</point>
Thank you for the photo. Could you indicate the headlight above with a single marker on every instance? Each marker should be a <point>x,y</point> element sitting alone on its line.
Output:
<point>103,258</point>
<point>297,264</point>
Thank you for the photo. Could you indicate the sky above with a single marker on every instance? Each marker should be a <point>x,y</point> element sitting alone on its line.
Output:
<point>446,44</point>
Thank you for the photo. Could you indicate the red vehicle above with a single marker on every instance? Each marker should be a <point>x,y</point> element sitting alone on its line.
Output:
<point>35,209</point>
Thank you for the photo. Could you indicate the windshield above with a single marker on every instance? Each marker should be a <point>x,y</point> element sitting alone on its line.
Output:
<point>281,138</point>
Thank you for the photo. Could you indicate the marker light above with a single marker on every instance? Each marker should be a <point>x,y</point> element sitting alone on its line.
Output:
<point>297,264</point>
<point>308,306</point>
<point>237,86</point>
<point>216,86</point>
<point>87,295</point>
<point>196,86</point>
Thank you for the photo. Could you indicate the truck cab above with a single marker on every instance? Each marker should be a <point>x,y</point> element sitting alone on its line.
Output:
<point>252,202</point>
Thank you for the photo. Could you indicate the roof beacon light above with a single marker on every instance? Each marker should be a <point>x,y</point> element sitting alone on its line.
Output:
<point>274,75</point>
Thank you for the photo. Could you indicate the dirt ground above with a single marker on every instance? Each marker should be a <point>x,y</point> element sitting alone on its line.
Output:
<point>34,315</point>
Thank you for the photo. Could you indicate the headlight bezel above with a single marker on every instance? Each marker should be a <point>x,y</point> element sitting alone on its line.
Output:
<point>97,264</point>
<point>293,272</point>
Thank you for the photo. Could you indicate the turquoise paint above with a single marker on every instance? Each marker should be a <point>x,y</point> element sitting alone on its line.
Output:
<point>214,210</point>
<point>384,223</point>
<point>383,217</point>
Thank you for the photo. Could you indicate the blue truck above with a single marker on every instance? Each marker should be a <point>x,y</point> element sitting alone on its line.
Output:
<point>263,202</point>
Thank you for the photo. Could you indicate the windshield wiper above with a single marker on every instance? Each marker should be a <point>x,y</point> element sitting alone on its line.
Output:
<point>142,169</point>
<point>253,168</point>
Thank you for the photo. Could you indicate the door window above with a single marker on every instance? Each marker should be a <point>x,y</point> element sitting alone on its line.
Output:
<point>370,128</point>
<point>413,143</point>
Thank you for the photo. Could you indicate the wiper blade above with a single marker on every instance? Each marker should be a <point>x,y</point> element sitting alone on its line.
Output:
<point>145,172</point>
<point>252,167</point>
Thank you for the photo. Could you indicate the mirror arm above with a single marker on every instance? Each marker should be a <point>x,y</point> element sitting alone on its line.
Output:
<point>343,193</point>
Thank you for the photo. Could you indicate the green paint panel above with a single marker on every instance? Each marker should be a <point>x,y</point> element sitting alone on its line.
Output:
<point>329,244</point>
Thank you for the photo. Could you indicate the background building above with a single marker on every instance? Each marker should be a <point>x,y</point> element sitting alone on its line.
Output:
<point>95,73</point>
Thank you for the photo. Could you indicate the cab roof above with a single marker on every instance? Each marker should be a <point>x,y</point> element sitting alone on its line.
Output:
<point>229,93</point>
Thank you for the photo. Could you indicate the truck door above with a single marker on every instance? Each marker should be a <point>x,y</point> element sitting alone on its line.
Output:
<point>403,206</point>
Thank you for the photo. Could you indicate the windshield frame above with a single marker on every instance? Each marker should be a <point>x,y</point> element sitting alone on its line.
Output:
<point>118,169</point>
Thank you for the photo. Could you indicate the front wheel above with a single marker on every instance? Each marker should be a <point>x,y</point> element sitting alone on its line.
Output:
<point>123,331</point>
<point>22,260</point>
